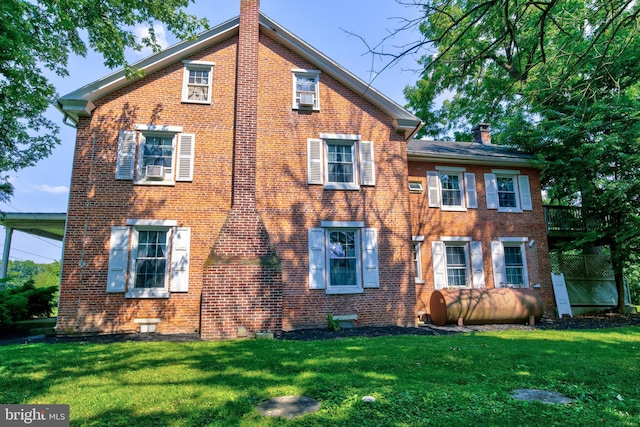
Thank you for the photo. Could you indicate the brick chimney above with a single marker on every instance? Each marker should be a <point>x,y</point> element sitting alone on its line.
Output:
<point>482,134</point>
<point>242,283</point>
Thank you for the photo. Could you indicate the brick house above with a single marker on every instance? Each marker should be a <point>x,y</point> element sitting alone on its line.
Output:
<point>245,183</point>
<point>249,183</point>
<point>477,219</point>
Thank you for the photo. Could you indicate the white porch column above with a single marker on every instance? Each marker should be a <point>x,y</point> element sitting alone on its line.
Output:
<point>8,233</point>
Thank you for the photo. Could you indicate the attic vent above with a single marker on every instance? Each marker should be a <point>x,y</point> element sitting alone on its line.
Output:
<point>415,186</point>
<point>306,99</point>
<point>154,172</point>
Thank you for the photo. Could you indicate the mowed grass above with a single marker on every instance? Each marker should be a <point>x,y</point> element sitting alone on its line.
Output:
<point>455,380</point>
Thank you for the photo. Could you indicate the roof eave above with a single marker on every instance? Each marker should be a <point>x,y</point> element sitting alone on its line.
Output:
<point>469,159</point>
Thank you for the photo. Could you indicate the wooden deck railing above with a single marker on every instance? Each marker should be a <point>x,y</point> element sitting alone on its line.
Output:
<point>570,219</point>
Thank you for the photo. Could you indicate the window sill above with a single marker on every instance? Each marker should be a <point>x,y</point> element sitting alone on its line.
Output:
<point>186,101</point>
<point>420,281</point>
<point>157,183</point>
<point>510,210</point>
<point>147,293</point>
<point>454,208</point>
<point>296,108</point>
<point>349,187</point>
<point>339,291</point>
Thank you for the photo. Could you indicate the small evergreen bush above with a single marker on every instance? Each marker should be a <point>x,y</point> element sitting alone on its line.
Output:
<point>25,302</point>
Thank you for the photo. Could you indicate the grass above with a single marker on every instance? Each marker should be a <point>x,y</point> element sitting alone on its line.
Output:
<point>416,380</point>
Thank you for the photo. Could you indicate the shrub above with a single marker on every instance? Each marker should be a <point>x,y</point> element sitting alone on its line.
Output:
<point>25,302</point>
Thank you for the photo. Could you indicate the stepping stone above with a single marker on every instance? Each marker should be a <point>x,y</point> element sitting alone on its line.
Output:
<point>288,406</point>
<point>544,396</point>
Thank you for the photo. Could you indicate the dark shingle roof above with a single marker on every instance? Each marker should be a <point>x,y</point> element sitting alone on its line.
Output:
<point>465,152</point>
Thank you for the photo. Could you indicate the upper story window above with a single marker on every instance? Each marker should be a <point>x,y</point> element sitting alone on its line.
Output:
<point>306,89</point>
<point>196,86</point>
<point>340,161</point>
<point>507,191</point>
<point>451,188</point>
<point>165,155</point>
<point>509,262</point>
<point>156,157</point>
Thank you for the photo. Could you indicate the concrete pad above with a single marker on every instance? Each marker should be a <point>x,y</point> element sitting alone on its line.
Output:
<point>288,406</point>
<point>544,396</point>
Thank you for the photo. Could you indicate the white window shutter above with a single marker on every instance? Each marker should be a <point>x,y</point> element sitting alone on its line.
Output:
<point>186,150</point>
<point>437,253</point>
<point>525,193</point>
<point>470,189</point>
<point>180,259</point>
<point>499,268</point>
<point>314,161</point>
<point>316,258</point>
<point>433,184</point>
<point>367,165</point>
<point>491,190</point>
<point>126,155</point>
<point>370,258</point>
<point>476,265</point>
<point>118,251</point>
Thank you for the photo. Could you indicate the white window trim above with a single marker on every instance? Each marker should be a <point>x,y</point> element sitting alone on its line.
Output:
<point>306,73</point>
<point>500,264</point>
<point>163,292</point>
<point>417,253</point>
<point>416,187</point>
<point>358,288</point>
<point>521,187</point>
<point>122,259</point>
<point>354,185</point>
<point>168,180</point>
<point>468,194</point>
<point>367,262</point>
<point>196,65</point>
<point>461,242</point>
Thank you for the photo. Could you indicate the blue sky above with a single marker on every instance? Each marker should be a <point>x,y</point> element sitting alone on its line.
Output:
<point>326,25</point>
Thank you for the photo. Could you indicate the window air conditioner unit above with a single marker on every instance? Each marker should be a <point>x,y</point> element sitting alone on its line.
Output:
<point>306,99</point>
<point>154,172</point>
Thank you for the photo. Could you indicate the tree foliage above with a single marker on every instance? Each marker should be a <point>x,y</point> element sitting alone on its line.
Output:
<point>41,35</point>
<point>559,79</point>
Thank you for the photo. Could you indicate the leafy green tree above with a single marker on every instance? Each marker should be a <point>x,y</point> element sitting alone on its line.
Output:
<point>559,79</point>
<point>42,34</point>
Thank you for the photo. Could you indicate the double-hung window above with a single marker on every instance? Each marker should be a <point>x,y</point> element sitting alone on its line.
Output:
<point>340,161</point>
<point>451,188</point>
<point>306,89</point>
<point>343,257</point>
<point>457,263</point>
<point>157,260</point>
<point>165,155</point>
<point>507,191</point>
<point>196,85</point>
<point>509,262</point>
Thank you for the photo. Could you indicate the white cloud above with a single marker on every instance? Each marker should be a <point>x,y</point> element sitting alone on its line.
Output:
<point>142,31</point>
<point>51,189</point>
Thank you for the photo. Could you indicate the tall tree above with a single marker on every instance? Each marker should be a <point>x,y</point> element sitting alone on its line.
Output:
<point>37,35</point>
<point>559,79</point>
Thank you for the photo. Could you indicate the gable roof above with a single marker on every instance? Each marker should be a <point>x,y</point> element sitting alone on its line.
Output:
<point>466,153</point>
<point>79,103</point>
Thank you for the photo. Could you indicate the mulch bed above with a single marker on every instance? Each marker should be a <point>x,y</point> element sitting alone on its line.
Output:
<point>598,320</point>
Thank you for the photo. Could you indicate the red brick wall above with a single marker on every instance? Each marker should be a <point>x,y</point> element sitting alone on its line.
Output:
<point>484,225</point>
<point>286,204</point>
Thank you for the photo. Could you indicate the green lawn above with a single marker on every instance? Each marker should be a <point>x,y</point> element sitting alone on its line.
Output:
<point>417,380</point>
